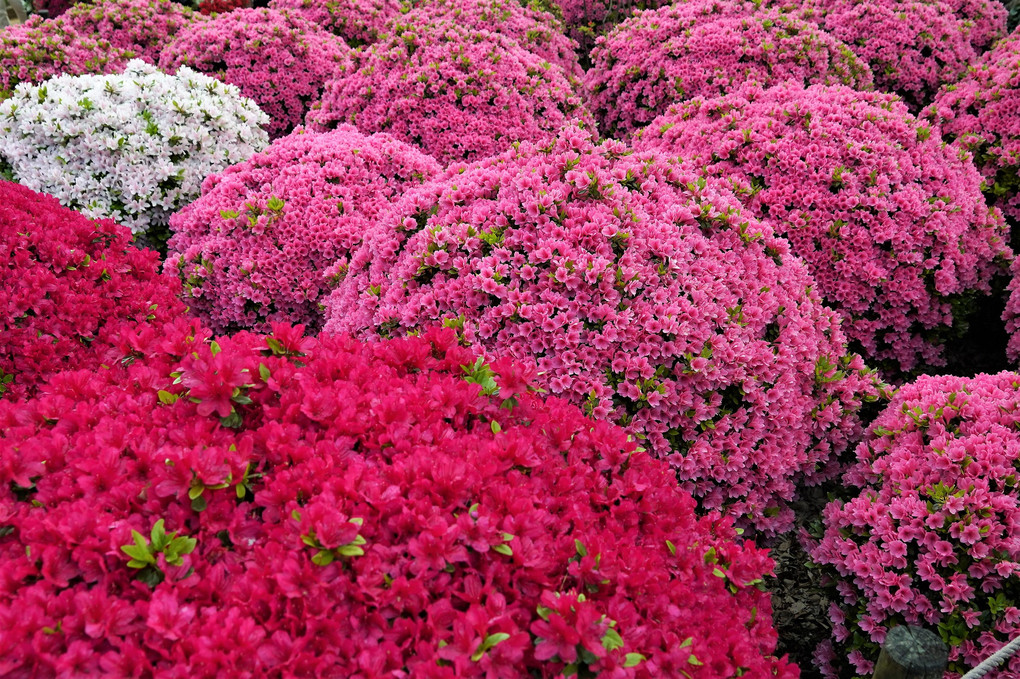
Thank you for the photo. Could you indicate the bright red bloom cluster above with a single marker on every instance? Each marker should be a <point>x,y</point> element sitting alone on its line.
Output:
<point>707,48</point>
<point>456,92</point>
<point>330,508</point>
<point>143,27</point>
<point>930,536</point>
<point>208,7</point>
<point>67,284</point>
<point>644,296</point>
<point>358,22</point>
<point>890,220</point>
<point>277,59</point>
<point>254,248</point>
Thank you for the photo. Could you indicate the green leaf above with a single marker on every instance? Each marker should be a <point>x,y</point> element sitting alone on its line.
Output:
<point>166,398</point>
<point>671,547</point>
<point>183,545</point>
<point>323,558</point>
<point>138,555</point>
<point>495,427</point>
<point>632,659</point>
<point>350,550</point>
<point>214,347</point>
<point>488,643</point>
<point>194,492</point>
<point>687,642</point>
<point>504,549</point>
<point>580,548</point>
<point>612,640</point>
<point>264,372</point>
<point>357,521</point>
<point>199,504</point>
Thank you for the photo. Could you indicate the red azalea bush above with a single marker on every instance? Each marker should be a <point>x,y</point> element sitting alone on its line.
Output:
<point>39,49</point>
<point>707,48</point>
<point>67,284</point>
<point>456,92</point>
<point>143,27</point>
<point>277,505</point>
<point>208,7</point>
<point>644,296</point>
<point>279,60</point>
<point>358,22</point>
<point>889,219</point>
<point>255,246</point>
<point>930,535</point>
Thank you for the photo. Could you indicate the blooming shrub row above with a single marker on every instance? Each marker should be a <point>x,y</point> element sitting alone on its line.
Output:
<point>133,147</point>
<point>256,246</point>
<point>142,27</point>
<point>277,59</point>
<point>67,284</point>
<point>358,22</point>
<point>890,221</point>
<point>226,520</point>
<point>929,534</point>
<point>644,296</point>
<point>706,48</point>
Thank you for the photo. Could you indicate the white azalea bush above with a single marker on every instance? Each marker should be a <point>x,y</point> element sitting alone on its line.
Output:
<point>134,147</point>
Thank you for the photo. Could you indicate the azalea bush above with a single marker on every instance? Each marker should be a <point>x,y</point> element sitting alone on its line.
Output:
<point>927,535</point>
<point>208,7</point>
<point>215,507</point>
<point>456,92</point>
<point>255,247</point>
<point>707,48</point>
<point>142,27</point>
<point>67,284</point>
<point>890,220</point>
<point>133,147</point>
<point>645,297</point>
<point>358,22</point>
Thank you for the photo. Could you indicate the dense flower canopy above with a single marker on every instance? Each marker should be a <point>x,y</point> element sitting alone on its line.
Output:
<point>358,22</point>
<point>643,294</point>
<point>255,247</point>
<point>67,285</point>
<point>455,523</point>
<point>890,220</point>
<point>142,27</point>
<point>707,48</point>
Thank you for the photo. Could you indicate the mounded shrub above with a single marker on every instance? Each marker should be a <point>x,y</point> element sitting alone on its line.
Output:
<point>707,48</point>
<point>255,247</point>
<point>928,536</point>
<point>223,523</point>
<point>889,219</point>
<point>643,294</point>
<point>39,49</point>
<point>133,147</point>
<point>142,27</point>
<point>358,22</point>
<point>279,60</point>
<point>456,92</point>
<point>67,284</point>
<point>208,7</point>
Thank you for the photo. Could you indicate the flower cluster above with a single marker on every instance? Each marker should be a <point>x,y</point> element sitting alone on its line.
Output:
<point>208,7</point>
<point>222,521</point>
<point>134,147</point>
<point>66,285</point>
<point>644,296</point>
<point>358,22</point>
<point>586,20</point>
<point>40,49</point>
<point>254,248</point>
<point>458,93</point>
<point>707,48</point>
<point>277,59</point>
<point>912,46</point>
<point>929,536</point>
<point>889,219</point>
<point>142,27</point>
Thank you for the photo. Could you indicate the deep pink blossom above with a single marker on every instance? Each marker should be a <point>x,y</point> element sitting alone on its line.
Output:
<point>142,27</point>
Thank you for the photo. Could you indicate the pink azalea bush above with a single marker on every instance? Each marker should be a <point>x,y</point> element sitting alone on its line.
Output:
<point>456,92</point>
<point>929,536</point>
<point>707,48</point>
<point>912,46</point>
<point>143,27</point>
<point>277,59</point>
<point>67,284</point>
<point>39,49</point>
<point>358,22</point>
<point>254,248</point>
<point>889,219</point>
<point>644,296</point>
<point>273,505</point>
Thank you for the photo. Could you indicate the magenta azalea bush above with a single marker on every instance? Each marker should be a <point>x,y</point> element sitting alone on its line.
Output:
<point>40,49</point>
<point>707,48</point>
<point>358,22</point>
<point>280,61</point>
<point>644,296</point>
<point>142,27</point>
<point>276,505</point>
<point>912,46</point>
<point>457,93</point>
<point>930,535</point>
<point>255,247</point>
<point>890,220</point>
<point>67,285</point>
